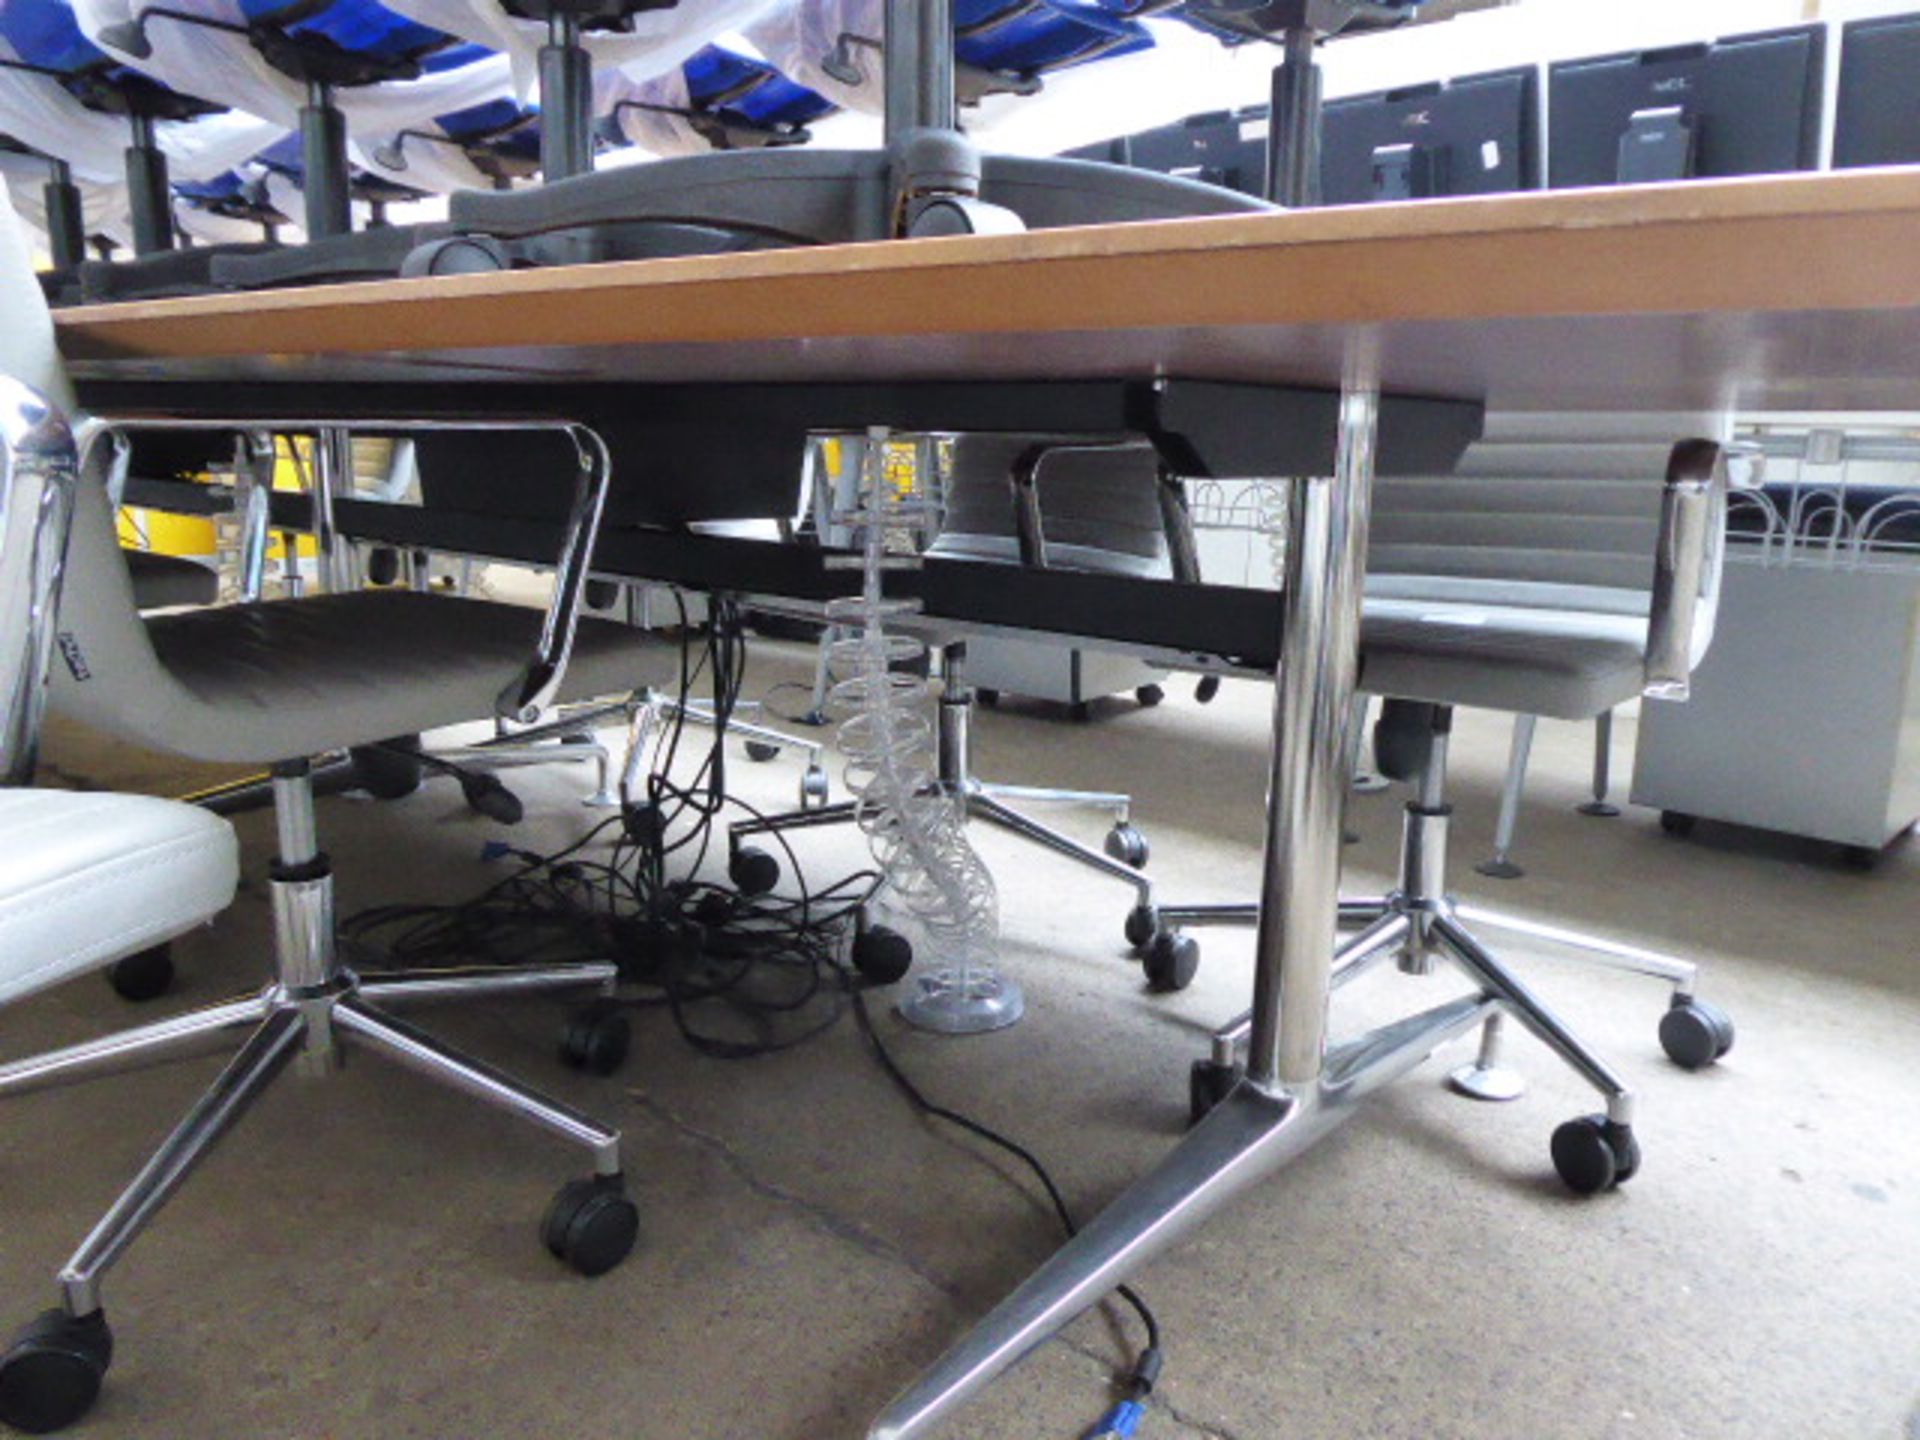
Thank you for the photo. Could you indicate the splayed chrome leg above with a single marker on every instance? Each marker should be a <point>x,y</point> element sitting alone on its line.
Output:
<point>193,1033</point>
<point>1682,974</point>
<point>477,982</point>
<point>985,807</point>
<point>1294,1093</point>
<point>1247,1137</point>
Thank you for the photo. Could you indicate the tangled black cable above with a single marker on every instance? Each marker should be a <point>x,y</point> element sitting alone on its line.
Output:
<point>771,963</point>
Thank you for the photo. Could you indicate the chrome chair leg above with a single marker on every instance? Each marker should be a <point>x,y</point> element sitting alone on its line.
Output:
<point>1500,865</point>
<point>415,1049</point>
<point>264,1055</point>
<point>1358,955</point>
<point>1681,974</point>
<point>1120,805</point>
<point>990,809</point>
<point>193,1033</point>
<point>1532,1012</point>
<point>1485,1078</point>
<point>478,982</point>
<point>1600,807</point>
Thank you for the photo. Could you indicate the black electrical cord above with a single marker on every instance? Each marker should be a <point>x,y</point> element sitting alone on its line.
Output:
<point>918,1098</point>
<point>769,962</point>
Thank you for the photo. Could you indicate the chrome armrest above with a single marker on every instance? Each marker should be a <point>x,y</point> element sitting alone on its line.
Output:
<point>39,478</point>
<point>539,679</point>
<point>1688,560</point>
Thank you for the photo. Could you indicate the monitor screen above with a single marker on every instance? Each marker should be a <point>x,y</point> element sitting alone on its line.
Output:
<point>1225,148</point>
<point>1877,113</point>
<point>1749,105</point>
<point>1474,136</point>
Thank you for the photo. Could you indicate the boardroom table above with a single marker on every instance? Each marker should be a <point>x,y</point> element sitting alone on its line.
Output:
<point>1321,330</point>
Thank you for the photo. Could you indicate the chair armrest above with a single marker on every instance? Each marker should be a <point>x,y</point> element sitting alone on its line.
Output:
<point>39,477</point>
<point>540,677</point>
<point>1688,561</point>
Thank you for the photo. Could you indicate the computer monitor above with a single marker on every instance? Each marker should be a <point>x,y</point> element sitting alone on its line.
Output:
<point>1227,148</point>
<point>1877,112</point>
<point>1478,135</point>
<point>1749,105</point>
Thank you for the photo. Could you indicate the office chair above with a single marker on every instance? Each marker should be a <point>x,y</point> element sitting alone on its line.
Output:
<point>1106,509</point>
<point>1558,578</point>
<point>275,682</point>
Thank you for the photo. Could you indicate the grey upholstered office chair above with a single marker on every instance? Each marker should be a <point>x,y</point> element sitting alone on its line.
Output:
<point>277,682</point>
<point>1554,576</point>
<point>1026,500</point>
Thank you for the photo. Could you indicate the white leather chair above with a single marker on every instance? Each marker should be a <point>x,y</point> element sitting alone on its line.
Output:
<point>276,682</point>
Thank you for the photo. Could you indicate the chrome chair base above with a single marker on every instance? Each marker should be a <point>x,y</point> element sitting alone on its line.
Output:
<point>1123,857</point>
<point>313,1010</point>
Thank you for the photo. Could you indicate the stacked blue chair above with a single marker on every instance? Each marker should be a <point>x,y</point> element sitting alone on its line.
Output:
<point>718,100</point>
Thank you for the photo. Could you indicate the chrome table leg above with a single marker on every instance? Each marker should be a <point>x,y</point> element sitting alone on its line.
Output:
<point>1291,1095</point>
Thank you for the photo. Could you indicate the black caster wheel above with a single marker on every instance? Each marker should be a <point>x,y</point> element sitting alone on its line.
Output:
<point>390,771</point>
<point>1593,1154</point>
<point>1208,687</point>
<point>753,870</point>
<point>1128,846</point>
<point>814,788</point>
<point>383,565</point>
<point>987,697</point>
<point>1171,961</point>
<point>1143,923</point>
<point>596,1038</point>
<point>761,751</point>
<point>602,594</point>
<point>882,954</point>
<point>1694,1033</point>
<point>1677,822</point>
<point>591,1225</point>
<point>51,1373</point>
<point>142,977</point>
<point>1149,696</point>
<point>1208,1083</point>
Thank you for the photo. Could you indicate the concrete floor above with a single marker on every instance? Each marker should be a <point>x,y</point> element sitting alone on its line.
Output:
<point>362,1259</point>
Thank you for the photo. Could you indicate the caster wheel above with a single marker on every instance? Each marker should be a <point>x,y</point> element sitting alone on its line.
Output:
<point>882,954</point>
<point>988,698</point>
<point>142,977</point>
<point>1128,846</point>
<point>389,771</point>
<point>761,751</point>
<point>1677,822</point>
<point>1208,687</point>
<point>1143,923</point>
<point>753,870</point>
<point>591,1225</point>
<point>1171,961</point>
<point>1149,696</point>
<point>602,594</point>
<point>1695,1034</point>
<point>51,1373</point>
<point>814,788</point>
<point>1208,1083</point>
<point>1593,1154</point>
<point>596,1038</point>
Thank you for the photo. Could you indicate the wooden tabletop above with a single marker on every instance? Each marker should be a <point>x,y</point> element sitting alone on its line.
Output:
<point>1797,293</point>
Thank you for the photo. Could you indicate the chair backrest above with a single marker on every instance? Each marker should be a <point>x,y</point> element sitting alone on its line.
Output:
<point>108,667</point>
<point>1554,511</point>
<point>37,481</point>
<point>1100,509</point>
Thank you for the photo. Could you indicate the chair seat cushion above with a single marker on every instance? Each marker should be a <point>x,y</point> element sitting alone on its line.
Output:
<point>282,679</point>
<point>89,878</point>
<point>161,582</point>
<point>1568,665</point>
